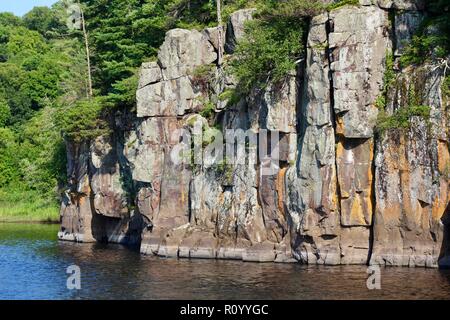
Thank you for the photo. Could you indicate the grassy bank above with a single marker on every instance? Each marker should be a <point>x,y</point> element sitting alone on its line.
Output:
<point>26,206</point>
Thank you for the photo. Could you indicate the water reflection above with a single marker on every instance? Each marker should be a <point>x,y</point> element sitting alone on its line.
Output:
<point>33,265</point>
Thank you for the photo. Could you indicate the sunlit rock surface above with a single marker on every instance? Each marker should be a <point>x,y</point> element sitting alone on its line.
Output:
<point>341,192</point>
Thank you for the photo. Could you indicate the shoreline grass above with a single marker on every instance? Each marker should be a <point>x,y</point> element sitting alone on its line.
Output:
<point>27,206</point>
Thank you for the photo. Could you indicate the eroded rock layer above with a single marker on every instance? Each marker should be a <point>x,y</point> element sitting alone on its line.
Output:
<point>341,192</point>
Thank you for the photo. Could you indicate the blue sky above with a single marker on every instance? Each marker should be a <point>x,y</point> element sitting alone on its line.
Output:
<point>20,7</point>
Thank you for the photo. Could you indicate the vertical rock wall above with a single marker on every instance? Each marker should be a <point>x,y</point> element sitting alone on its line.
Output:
<point>342,192</point>
<point>95,204</point>
<point>332,196</point>
<point>412,189</point>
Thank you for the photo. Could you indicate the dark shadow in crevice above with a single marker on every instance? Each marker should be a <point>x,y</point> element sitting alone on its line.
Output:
<point>444,256</point>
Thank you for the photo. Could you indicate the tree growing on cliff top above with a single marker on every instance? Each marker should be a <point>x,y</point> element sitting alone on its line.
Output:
<point>274,42</point>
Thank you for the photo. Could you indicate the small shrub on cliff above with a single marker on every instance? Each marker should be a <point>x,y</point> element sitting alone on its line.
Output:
<point>123,92</point>
<point>82,121</point>
<point>432,40</point>
<point>269,51</point>
<point>230,96</point>
<point>401,118</point>
<point>422,48</point>
<point>226,171</point>
<point>201,77</point>
<point>274,43</point>
<point>208,110</point>
<point>388,80</point>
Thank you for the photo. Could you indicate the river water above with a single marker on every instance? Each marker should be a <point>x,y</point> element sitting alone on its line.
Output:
<point>33,265</point>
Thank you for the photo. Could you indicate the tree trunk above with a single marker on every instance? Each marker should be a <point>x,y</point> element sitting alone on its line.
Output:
<point>220,25</point>
<point>88,53</point>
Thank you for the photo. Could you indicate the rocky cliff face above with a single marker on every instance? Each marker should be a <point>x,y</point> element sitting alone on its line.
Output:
<point>341,193</point>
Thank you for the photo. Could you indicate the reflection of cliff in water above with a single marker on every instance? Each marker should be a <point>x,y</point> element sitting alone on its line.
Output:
<point>35,268</point>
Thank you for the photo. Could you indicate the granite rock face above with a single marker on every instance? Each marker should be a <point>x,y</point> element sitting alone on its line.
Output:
<point>95,204</point>
<point>406,25</point>
<point>312,183</point>
<point>235,28</point>
<point>337,192</point>
<point>332,190</point>
<point>76,208</point>
<point>358,49</point>
<point>411,184</point>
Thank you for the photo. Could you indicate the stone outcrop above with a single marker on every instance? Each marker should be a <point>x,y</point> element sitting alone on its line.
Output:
<point>411,185</point>
<point>332,190</point>
<point>95,203</point>
<point>340,192</point>
<point>235,28</point>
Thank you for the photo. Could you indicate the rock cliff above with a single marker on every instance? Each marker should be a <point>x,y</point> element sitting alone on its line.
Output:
<point>341,192</point>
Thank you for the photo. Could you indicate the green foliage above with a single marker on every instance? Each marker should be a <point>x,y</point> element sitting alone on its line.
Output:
<point>446,87</point>
<point>45,21</point>
<point>209,135</point>
<point>440,9</point>
<point>9,19</point>
<point>42,154</point>
<point>229,95</point>
<point>269,51</point>
<point>298,9</point>
<point>424,47</point>
<point>17,204</point>
<point>226,171</point>
<point>35,72</point>
<point>21,42</point>
<point>123,93</point>
<point>122,36</point>
<point>35,158</point>
<point>5,112</point>
<point>201,77</point>
<point>8,157</point>
<point>231,6</point>
<point>274,42</point>
<point>83,120</point>
<point>433,37</point>
<point>336,5</point>
<point>401,118</point>
<point>203,71</point>
<point>208,110</point>
<point>430,42</point>
<point>389,74</point>
<point>388,80</point>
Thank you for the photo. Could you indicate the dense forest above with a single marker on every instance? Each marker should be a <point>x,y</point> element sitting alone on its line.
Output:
<point>48,56</point>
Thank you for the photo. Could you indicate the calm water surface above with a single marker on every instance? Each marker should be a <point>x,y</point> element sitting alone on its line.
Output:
<point>33,266</point>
